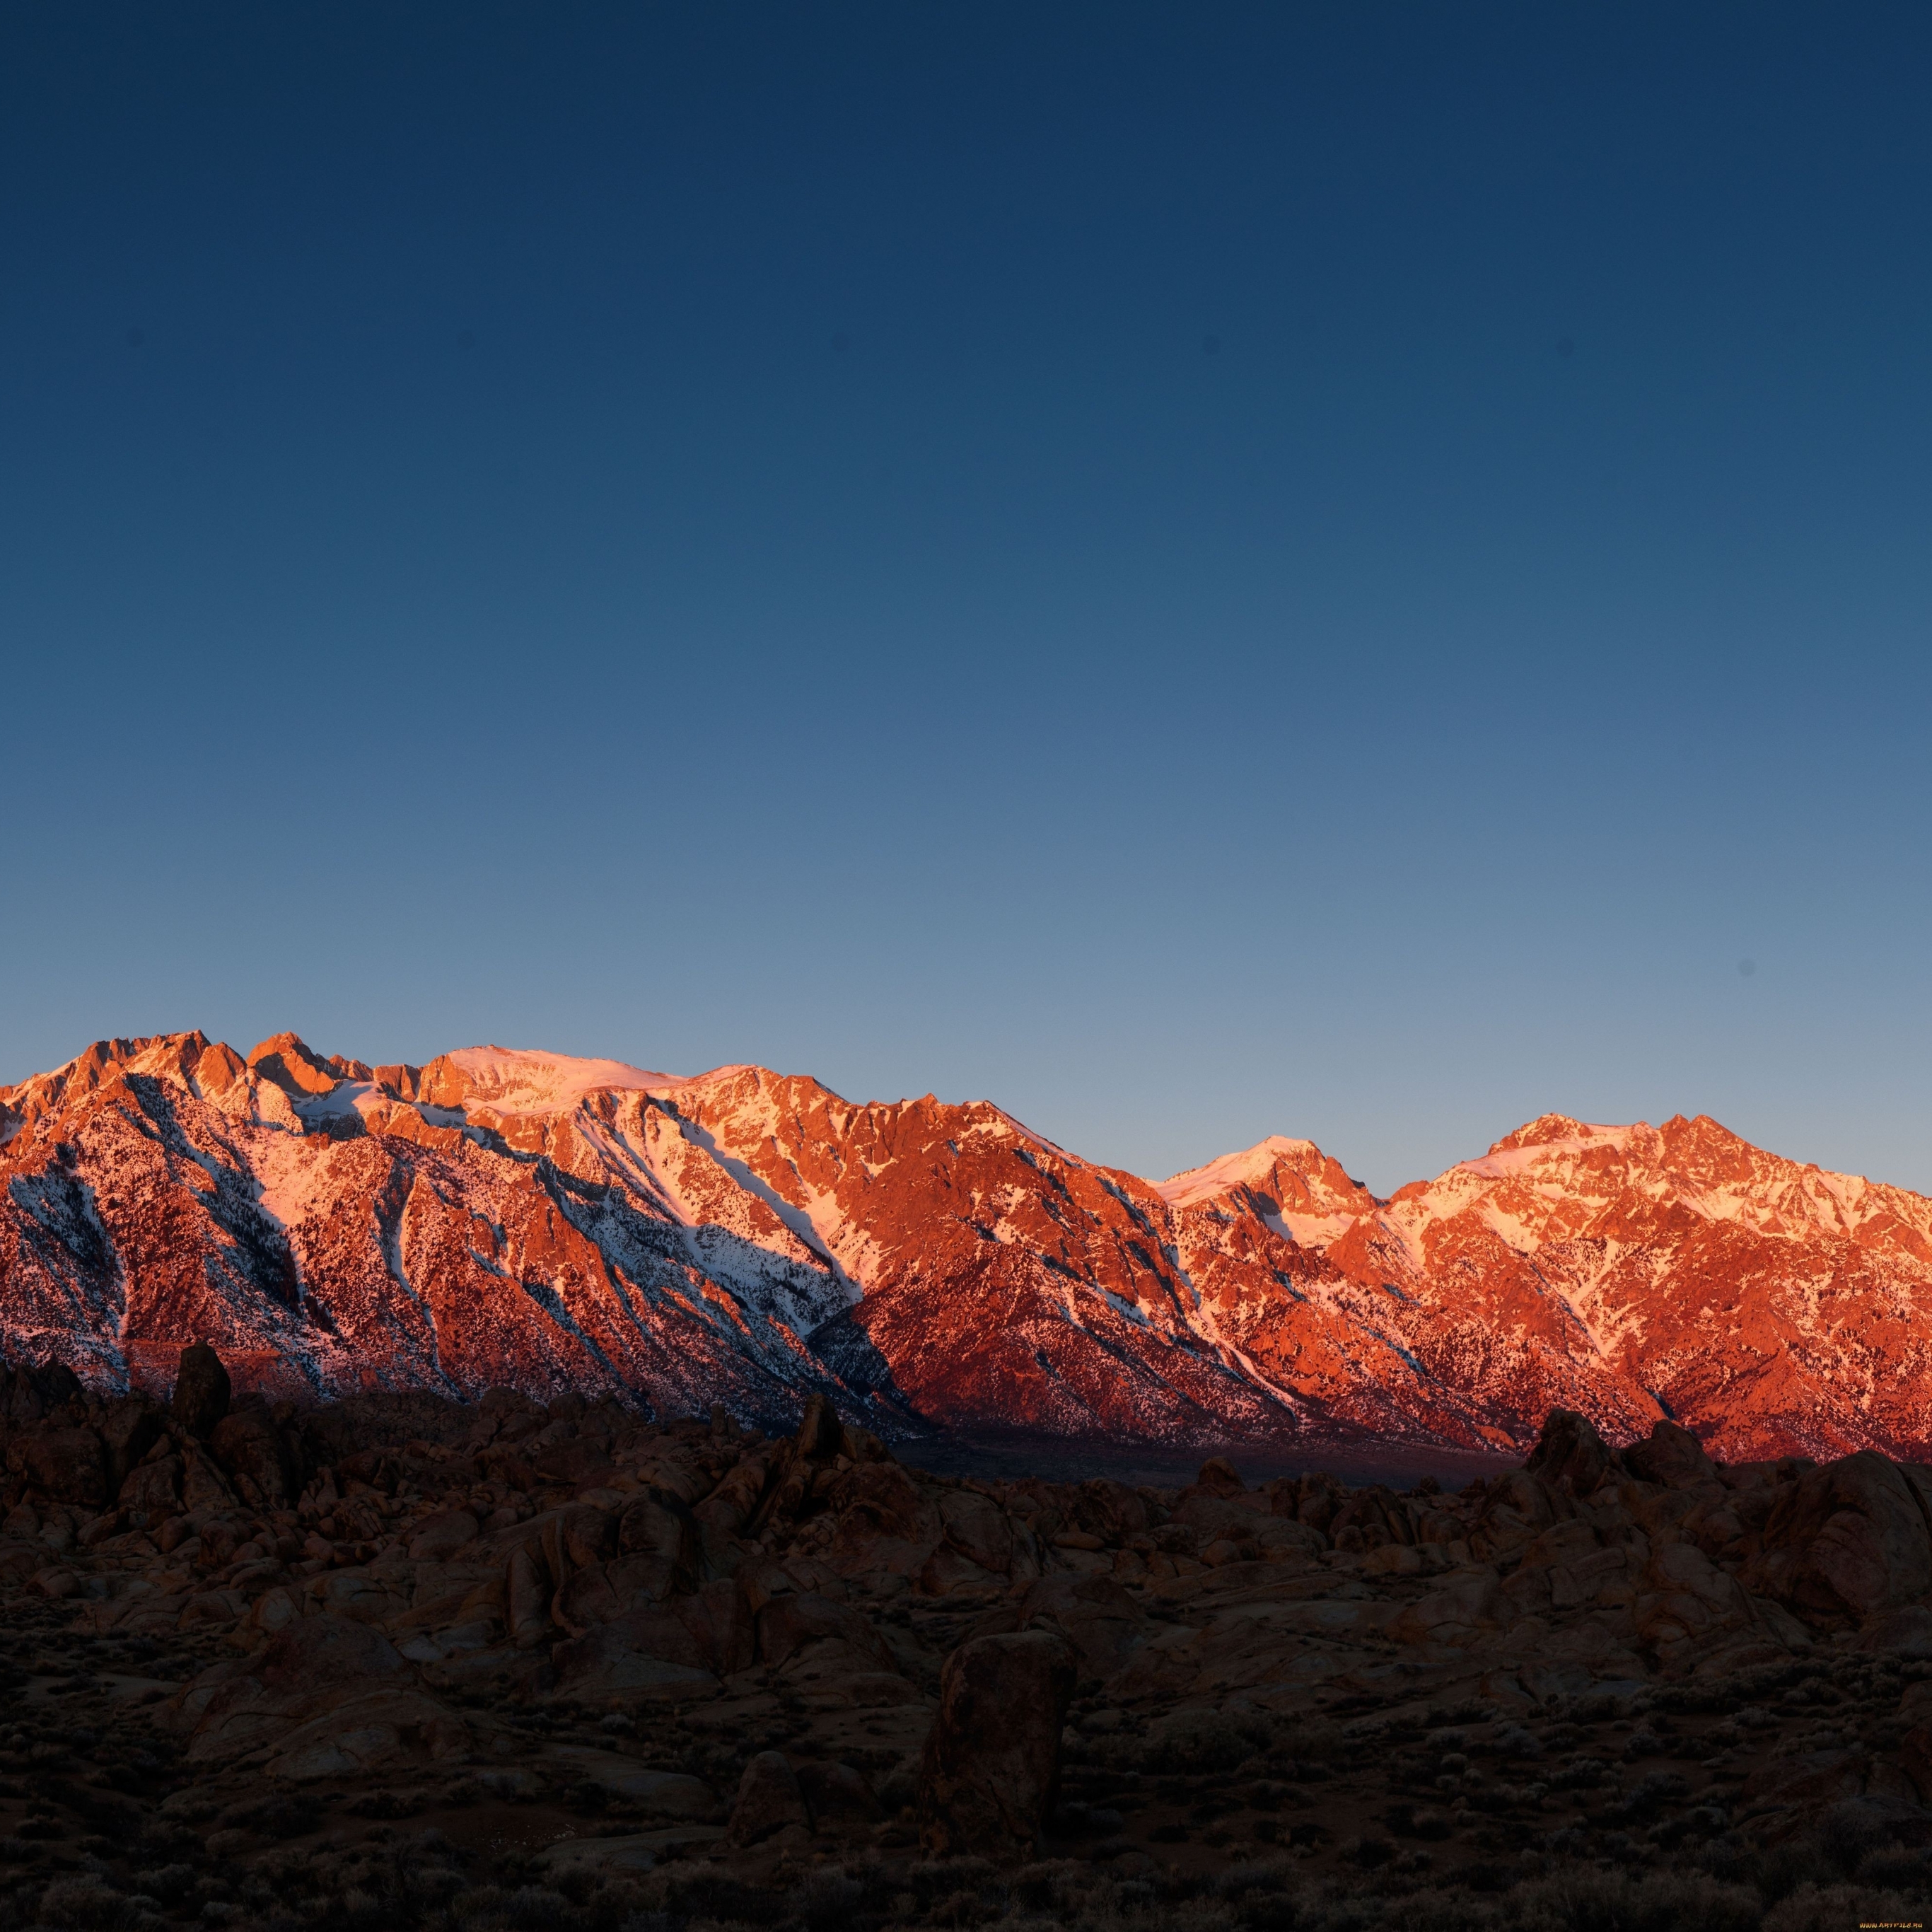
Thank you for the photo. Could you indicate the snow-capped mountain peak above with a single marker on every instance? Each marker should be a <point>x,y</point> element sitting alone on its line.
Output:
<point>506,1216</point>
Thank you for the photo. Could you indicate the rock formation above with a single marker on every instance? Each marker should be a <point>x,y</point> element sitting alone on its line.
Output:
<point>401,1660</point>
<point>516,1220</point>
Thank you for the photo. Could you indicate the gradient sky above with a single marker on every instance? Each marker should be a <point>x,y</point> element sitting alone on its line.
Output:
<point>1196,571</point>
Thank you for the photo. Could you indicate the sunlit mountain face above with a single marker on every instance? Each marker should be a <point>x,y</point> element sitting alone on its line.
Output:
<point>505,1219</point>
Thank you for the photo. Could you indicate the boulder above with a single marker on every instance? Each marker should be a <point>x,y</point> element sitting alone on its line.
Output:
<point>1311,1499</point>
<point>200,1398</point>
<point>253,1455</point>
<point>722,1624</point>
<point>130,1427</point>
<point>881,1499</point>
<point>315,1668</point>
<point>1673,1457</point>
<point>724,1513</point>
<point>1109,1510</point>
<point>658,1539</point>
<point>1906,1633</point>
<point>787,1625</point>
<point>203,1486</point>
<point>648,1655</point>
<point>437,1538</point>
<point>1683,1600</point>
<point>1219,1477</point>
<point>668,1794</point>
<point>1465,1602</point>
<point>768,1799</point>
<point>32,1392</point>
<point>978,1528</point>
<point>1844,1542</point>
<point>527,1592</point>
<point>154,1487</point>
<point>69,1464</point>
<point>1570,1456</point>
<point>736,1498</point>
<point>990,1774</point>
<point>1371,1519</point>
<point>1515,1510</point>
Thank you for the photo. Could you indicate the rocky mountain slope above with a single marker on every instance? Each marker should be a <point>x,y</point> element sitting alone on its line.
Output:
<point>500,1219</point>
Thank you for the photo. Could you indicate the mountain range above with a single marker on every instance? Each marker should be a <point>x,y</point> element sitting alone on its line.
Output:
<point>500,1218</point>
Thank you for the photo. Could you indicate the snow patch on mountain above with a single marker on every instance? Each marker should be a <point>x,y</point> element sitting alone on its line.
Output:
<point>515,1080</point>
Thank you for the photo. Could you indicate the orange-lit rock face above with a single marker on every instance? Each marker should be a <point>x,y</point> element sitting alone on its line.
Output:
<point>1769,1305</point>
<point>497,1217</point>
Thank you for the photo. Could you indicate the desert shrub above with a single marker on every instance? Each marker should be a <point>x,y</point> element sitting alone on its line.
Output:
<point>81,1903</point>
<point>825,1902</point>
<point>1649,1796</point>
<point>168,1883</point>
<point>701,1893</point>
<point>1813,1908</point>
<point>1513,1741</point>
<point>1203,1741</point>
<point>1579,1899</point>
<point>1896,1869</point>
<point>1849,1832</point>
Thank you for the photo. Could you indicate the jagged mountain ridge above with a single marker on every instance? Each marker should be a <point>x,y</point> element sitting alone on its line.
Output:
<point>501,1218</point>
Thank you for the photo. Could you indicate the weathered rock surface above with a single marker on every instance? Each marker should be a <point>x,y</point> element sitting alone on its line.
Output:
<point>593,1652</point>
<point>991,1769</point>
<point>1850,1539</point>
<point>769,1801</point>
<point>202,1391</point>
<point>505,1220</point>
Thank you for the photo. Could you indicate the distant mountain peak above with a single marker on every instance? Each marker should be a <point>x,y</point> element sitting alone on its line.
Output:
<point>1277,1165</point>
<point>503,1216</point>
<point>1548,1129</point>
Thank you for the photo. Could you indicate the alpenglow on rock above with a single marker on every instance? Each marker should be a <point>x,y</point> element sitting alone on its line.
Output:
<point>499,1218</point>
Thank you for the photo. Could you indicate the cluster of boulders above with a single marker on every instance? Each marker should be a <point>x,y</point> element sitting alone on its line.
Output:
<point>653,1645</point>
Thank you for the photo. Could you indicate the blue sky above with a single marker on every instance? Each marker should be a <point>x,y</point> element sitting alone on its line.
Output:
<point>1196,572</point>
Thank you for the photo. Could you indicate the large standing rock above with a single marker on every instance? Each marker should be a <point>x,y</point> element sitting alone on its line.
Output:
<point>1570,1456</point>
<point>200,1398</point>
<point>1845,1541</point>
<point>821,1436</point>
<point>768,1799</point>
<point>992,1769</point>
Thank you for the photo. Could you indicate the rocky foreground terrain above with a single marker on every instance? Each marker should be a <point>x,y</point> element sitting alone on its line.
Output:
<point>401,1661</point>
